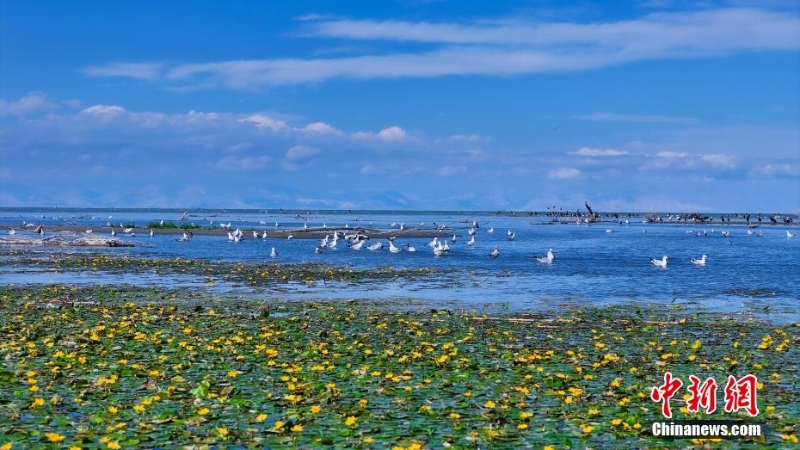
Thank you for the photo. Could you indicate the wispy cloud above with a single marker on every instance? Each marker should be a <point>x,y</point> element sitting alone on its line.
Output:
<point>263,122</point>
<point>495,48</point>
<point>563,173</point>
<point>612,117</point>
<point>389,134</point>
<point>31,103</point>
<point>142,70</point>
<point>587,151</point>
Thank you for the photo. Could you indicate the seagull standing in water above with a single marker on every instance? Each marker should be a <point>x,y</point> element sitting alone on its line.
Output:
<point>392,247</point>
<point>699,262</point>
<point>547,259</point>
<point>409,248</point>
<point>495,253</point>
<point>511,235</point>
<point>273,253</point>
<point>789,235</point>
<point>659,262</point>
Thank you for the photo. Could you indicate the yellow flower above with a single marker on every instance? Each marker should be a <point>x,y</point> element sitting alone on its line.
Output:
<point>202,411</point>
<point>222,431</point>
<point>490,404</point>
<point>362,402</point>
<point>315,409</point>
<point>547,447</point>
<point>112,409</point>
<point>525,415</point>
<point>7,446</point>
<point>587,428</point>
<point>297,428</point>
<point>54,437</point>
<point>37,402</point>
<point>350,421</point>
<point>368,440</point>
<point>261,417</point>
<point>455,416</point>
<point>138,408</point>
<point>278,425</point>
<point>232,373</point>
<point>616,422</point>
<point>522,426</point>
<point>114,445</point>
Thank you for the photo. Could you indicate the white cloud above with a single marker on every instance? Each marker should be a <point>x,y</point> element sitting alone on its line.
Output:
<point>447,171</point>
<point>392,134</point>
<point>587,151</point>
<point>563,173</point>
<point>719,160</point>
<point>779,170</point>
<point>322,128</point>
<point>265,122</point>
<point>499,48</point>
<point>30,103</point>
<point>196,116</point>
<point>143,71</point>
<point>300,152</point>
<point>671,154</point>
<point>104,110</point>
<point>470,137</point>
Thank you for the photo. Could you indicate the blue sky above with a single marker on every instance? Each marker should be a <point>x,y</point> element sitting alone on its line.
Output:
<point>634,105</point>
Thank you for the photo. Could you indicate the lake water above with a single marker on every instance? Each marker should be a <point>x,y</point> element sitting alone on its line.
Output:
<point>600,263</point>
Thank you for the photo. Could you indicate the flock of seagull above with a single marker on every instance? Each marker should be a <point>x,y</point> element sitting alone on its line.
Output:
<point>358,239</point>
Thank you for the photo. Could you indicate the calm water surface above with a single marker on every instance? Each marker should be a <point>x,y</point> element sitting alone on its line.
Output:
<point>596,264</point>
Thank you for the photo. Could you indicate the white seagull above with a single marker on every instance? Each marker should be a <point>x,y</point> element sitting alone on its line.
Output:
<point>697,262</point>
<point>511,235</point>
<point>151,233</point>
<point>358,244</point>
<point>113,233</point>
<point>471,241</point>
<point>409,248</point>
<point>12,231</point>
<point>490,230</point>
<point>273,253</point>
<point>659,262</point>
<point>547,259</point>
<point>392,247</point>
<point>495,253</point>
<point>375,247</point>
<point>789,235</point>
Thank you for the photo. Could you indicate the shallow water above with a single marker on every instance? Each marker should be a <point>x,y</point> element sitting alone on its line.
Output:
<point>745,273</point>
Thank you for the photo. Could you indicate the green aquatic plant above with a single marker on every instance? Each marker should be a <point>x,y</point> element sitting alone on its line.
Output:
<point>107,367</point>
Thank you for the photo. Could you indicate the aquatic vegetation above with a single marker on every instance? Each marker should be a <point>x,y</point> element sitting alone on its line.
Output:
<point>120,368</point>
<point>252,274</point>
